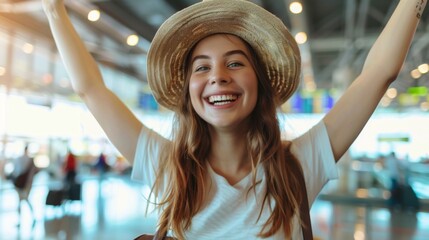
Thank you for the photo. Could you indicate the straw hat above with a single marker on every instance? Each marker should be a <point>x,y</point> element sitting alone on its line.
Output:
<point>267,35</point>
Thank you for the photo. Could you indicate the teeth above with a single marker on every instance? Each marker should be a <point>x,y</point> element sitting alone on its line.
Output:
<point>221,103</point>
<point>222,99</point>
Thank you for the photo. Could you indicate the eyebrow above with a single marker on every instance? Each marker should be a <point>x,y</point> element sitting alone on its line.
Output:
<point>227,54</point>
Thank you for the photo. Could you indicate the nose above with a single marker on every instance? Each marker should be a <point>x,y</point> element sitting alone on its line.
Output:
<point>219,75</point>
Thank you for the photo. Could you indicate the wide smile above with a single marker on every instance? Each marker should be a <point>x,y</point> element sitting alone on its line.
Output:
<point>219,100</point>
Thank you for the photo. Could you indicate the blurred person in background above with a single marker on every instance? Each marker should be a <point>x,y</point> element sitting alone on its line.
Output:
<point>397,179</point>
<point>402,195</point>
<point>22,163</point>
<point>70,166</point>
<point>22,177</point>
<point>101,165</point>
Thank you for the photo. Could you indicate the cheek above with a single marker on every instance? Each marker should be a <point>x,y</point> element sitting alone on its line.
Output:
<point>195,90</point>
<point>253,86</point>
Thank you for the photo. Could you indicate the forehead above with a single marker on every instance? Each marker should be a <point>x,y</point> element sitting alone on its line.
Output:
<point>220,42</point>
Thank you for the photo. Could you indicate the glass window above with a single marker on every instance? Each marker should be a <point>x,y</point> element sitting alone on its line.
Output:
<point>22,53</point>
<point>42,60</point>
<point>4,45</point>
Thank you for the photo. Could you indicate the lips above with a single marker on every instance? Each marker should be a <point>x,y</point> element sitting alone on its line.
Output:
<point>218,100</point>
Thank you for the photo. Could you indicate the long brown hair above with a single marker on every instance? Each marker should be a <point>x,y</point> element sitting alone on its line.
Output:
<point>185,164</point>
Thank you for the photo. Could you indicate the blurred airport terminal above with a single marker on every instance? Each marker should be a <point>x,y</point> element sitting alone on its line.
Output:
<point>44,125</point>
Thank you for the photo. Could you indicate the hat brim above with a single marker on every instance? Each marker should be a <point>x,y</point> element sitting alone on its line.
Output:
<point>265,33</point>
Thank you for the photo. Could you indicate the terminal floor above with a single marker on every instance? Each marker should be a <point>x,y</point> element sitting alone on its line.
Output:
<point>113,209</point>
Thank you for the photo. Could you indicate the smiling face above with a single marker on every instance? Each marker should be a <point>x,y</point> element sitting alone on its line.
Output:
<point>223,85</point>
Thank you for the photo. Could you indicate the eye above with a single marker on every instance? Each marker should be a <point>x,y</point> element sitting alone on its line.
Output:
<point>235,64</point>
<point>201,68</point>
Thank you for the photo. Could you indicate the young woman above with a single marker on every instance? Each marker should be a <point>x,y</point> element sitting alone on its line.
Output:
<point>224,67</point>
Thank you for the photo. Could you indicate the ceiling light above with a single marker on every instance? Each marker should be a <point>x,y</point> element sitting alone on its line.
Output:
<point>132,40</point>
<point>301,37</point>
<point>423,68</point>
<point>27,48</point>
<point>295,7</point>
<point>385,102</point>
<point>94,15</point>
<point>415,74</point>
<point>392,93</point>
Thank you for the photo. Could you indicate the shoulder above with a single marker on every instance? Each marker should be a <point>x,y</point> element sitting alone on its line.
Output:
<point>149,148</point>
<point>315,137</point>
<point>150,140</point>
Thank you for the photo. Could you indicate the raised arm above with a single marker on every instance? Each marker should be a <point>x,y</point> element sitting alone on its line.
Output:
<point>383,63</point>
<point>118,122</point>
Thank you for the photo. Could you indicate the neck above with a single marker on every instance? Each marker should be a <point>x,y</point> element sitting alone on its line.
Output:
<point>229,156</point>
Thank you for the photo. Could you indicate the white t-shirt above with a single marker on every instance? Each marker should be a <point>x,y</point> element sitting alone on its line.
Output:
<point>230,214</point>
